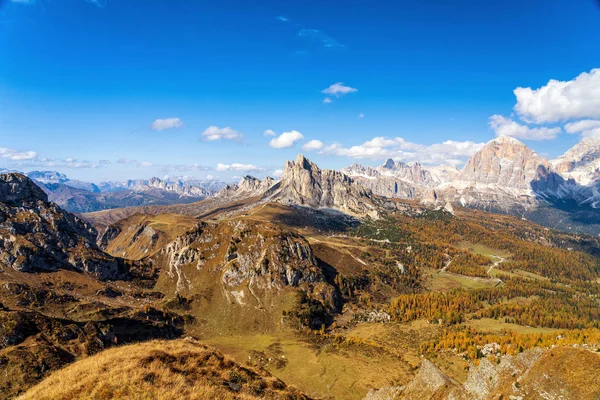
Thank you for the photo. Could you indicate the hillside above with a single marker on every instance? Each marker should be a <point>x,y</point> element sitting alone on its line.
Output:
<point>324,300</point>
<point>559,373</point>
<point>180,369</point>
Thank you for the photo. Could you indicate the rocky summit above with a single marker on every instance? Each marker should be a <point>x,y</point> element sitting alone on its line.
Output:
<point>305,184</point>
<point>37,235</point>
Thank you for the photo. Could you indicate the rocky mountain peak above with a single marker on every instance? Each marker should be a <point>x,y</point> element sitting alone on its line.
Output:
<point>389,164</point>
<point>17,188</point>
<point>581,161</point>
<point>304,183</point>
<point>248,186</point>
<point>37,235</point>
<point>508,162</point>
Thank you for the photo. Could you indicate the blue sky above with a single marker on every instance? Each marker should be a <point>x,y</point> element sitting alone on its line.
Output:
<point>83,83</point>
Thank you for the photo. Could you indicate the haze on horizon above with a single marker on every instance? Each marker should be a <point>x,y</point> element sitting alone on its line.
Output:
<point>114,90</point>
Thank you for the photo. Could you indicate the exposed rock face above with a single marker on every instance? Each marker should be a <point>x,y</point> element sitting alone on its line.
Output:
<point>305,184</point>
<point>262,254</point>
<point>179,187</point>
<point>48,176</point>
<point>18,189</point>
<point>246,263</point>
<point>507,162</point>
<point>581,162</point>
<point>428,383</point>
<point>505,175</point>
<point>400,180</point>
<point>36,234</point>
<point>535,373</point>
<point>248,186</point>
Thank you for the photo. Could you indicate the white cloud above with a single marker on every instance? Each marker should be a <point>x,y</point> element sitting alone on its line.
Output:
<point>277,173</point>
<point>17,155</point>
<point>286,139</point>
<point>361,115</point>
<point>506,126</point>
<point>238,167</point>
<point>216,133</point>
<point>327,100</point>
<point>68,162</point>
<point>319,37</point>
<point>339,89</point>
<point>378,148</point>
<point>167,123</point>
<point>98,3</point>
<point>561,100</point>
<point>270,132</point>
<point>583,125</point>
<point>140,164</point>
<point>184,167</point>
<point>587,128</point>
<point>282,19</point>
<point>312,145</point>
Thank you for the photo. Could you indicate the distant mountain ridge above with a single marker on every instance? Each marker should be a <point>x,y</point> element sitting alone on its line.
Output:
<point>503,176</point>
<point>79,196</point>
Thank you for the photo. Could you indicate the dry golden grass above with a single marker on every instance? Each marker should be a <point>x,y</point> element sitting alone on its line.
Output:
<point>179,369</point>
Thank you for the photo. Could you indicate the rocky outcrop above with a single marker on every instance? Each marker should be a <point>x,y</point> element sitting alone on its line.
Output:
<point>37,235</point>
<point>247,264</point>
<point>305,184</point>
<point>507,162</point>
<point>400,180</point>
<point>248,186</point>
<point>557,373</point>
<point>581,162</point>
<point>245,252</point>
<point>17,189</point>
<point>505,175</point>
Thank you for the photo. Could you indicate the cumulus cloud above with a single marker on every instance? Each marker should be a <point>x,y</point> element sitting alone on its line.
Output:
<point>378,148</point>
<point>270,132</point>
<point>286,139</point>
<point>561,100</point>
<point>216,133</point>
<point>238,167</point>
<point>312,145</point>
<point>167,123</point>
<point>327,100</point>
<point>506,126</point>
<point>583,125</point>
<point>587,128</point>
<point>319,37</point>
<point>338,89</point>
<point>15,155</point>
<point>277,173</point>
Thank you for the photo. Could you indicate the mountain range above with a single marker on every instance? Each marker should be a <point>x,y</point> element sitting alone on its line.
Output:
<point>311,275</point>
<point>504,176</point>
<point>80,196</point>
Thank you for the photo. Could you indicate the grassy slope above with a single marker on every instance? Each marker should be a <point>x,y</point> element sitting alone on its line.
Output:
<point>180,369</point>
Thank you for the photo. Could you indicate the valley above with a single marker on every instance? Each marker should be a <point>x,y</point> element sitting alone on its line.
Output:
<point>312,281</point>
